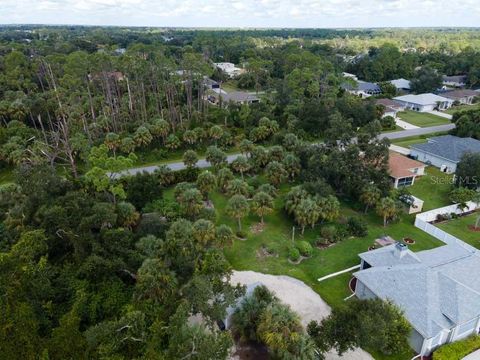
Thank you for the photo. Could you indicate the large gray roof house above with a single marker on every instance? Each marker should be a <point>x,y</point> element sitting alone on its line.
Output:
<point>438,290</point>
<point>444,151</point>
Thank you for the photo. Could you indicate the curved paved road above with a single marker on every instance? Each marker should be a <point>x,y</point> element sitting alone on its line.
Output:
<point>202,163</point>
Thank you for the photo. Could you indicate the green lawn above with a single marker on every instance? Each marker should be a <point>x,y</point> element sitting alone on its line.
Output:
<point>454,109</point>
<point>422,119</point>
<point>277,235</point>
<point>433,188</point>
<point>459,228</point>
<point>418,139</point>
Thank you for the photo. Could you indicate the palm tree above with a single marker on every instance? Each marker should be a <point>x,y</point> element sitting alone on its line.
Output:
<point>142,136</point>
<point>241,165</point>
<point>238,187</point>
<point>190,158</point>
<point>246,147</point>
<point>291,164</point>
<point>112,140</point>
<point>370,196</point>
<point>159,127</point>
<point>216,157</point>
<point>279,328</point>
<point>155,281</point>
<point>172,142</point>
<point>206,182</point>
<point>237,207</point>
<point>224,235</point>
<point>190,137</point>
<point>262,204</point>
<point>192,202</point>
<point>329,208</point>
<point>306,213</point>
<point>215,133</point>
<point>224,176</point>
<point>387,208</point>
<point>293,198</point>
<point>204,232</point>
<point>127,145</point>
<point>276,173</point>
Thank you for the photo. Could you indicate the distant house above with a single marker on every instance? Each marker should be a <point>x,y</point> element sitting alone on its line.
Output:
<point>438,290</point>
<point>403,171</point>
<point>237,97</point>
<point>362,88</point>
<point>461,96</point>
<point>458,81</point>
<point>210,83</point>
<point>230,69</point>
<point>391,107</point>
<point>424,102</point>
<point>401,84</point>
<point>350,76</point>
<point>444,152</point>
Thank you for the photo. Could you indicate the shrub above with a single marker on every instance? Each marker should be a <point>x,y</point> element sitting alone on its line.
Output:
<point>294,254</point>
<point>241,234</point>
<point>329,233</point>
<point>458,349</point>
<point>304,248</point>
<point>357,227</point>
<point>208,214</point>
<point>185,175</point>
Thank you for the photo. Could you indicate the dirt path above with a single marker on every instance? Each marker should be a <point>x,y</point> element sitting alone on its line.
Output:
<point>301,298</point>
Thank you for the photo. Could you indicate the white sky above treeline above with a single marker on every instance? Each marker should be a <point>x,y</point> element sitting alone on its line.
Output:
<point>244,13</point>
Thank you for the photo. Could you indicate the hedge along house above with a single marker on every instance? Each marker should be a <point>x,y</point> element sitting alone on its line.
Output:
<point>438,290</point>
<point>424,102</point>
<point>444,152</point>
<point>403,171</point>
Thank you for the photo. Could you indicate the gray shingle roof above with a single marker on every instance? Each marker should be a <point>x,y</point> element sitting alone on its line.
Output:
<point>449,147</point>
<point>439,292</point>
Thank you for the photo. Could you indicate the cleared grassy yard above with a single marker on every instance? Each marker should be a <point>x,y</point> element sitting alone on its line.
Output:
<point>422,119</point>
<point>433,188</point>
<point>460,228</point>
<point>418,139</point>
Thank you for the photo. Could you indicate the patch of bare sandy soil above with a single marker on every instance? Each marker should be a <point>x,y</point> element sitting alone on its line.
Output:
<point>302,299</point>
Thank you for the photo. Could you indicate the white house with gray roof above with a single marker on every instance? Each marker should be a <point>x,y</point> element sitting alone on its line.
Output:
<point>424,102</point>
<point>438,290</point>
<point>444,152</point>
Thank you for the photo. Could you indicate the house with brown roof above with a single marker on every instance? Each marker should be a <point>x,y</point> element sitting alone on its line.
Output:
<point>391,107</point>
<point>403,170</point>
<point>461,96</point>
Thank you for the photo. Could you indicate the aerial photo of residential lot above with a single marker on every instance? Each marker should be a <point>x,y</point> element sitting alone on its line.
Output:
<point>239,180</point>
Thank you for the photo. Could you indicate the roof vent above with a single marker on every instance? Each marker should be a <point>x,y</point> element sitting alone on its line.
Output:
<point>401,249</point>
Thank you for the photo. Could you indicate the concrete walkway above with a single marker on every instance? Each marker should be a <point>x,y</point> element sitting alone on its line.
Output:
<point>405,125</point>
<point>400,149</point>
<point>473,356</point>
<point>441,114</point>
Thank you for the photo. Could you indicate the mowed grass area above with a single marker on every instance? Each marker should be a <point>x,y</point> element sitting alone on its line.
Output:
<point>454,109</point>
<point>433,188</point>
<point>422,119</point>
<point>417,139</point>
<point>277,236</point>
<point>460,228</point>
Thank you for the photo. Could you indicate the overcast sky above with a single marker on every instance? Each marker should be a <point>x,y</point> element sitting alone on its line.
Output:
<point>244,13</point>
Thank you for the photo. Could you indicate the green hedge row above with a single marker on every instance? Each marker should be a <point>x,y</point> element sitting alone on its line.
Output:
<point>457,350</point>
